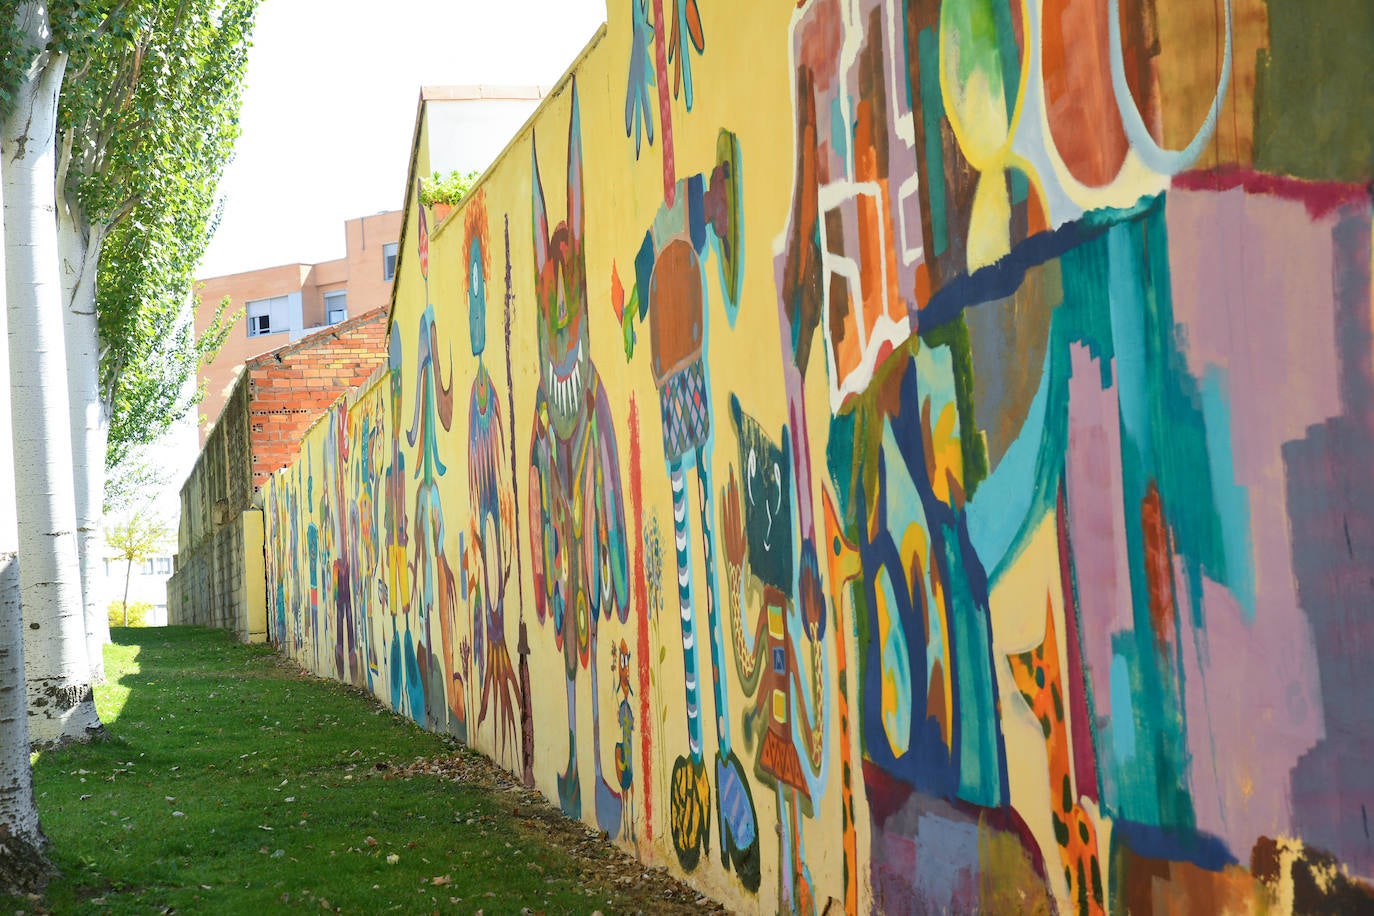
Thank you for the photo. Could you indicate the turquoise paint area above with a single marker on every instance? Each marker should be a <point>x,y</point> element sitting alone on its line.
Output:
<point>840,448</point>
<point>1116,290</point>
<point>933,111</point>
<point>1122,724</point>
<point>1126,315</point>
<point>935,369</point>
<point>1010,59</point>
<point>839,130</point>
<point>1232,501</point>
<point>1003,511</point>
<point>975,702</point>
<point>896,672</point>
<point>903,514</point>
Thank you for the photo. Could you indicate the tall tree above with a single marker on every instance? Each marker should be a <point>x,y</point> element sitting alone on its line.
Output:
<point>149,118</point>
<point>57,668</point>
<point>23,862</point>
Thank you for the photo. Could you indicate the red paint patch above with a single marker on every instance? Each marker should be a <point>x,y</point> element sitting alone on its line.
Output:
<point>641,596</point>
<point>1159,567</point>
<point>1320,197</point>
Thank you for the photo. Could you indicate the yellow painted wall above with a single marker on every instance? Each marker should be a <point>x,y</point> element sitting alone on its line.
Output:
<point>921,491</point>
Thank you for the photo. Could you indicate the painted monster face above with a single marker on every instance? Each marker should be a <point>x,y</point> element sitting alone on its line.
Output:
<point>561,291</point>
<point>766,471</point>
<point>477,298</point>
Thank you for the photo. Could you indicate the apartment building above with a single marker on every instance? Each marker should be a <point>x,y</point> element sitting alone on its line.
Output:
<point>284,303</point>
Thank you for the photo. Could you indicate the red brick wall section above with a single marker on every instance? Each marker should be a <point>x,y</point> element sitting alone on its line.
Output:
<point>292,387</point>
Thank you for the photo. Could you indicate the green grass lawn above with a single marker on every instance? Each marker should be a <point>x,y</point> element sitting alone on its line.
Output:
<point>232,783</point>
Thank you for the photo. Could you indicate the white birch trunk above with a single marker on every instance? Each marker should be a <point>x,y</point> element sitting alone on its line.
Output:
<point>61,705</point>
<point>79,249</point>
<point>18,808</point>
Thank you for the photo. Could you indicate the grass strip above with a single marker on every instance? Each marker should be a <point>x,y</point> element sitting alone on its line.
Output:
<point>231,782</point>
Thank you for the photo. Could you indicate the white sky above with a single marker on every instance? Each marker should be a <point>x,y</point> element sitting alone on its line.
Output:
<point>329,108</point>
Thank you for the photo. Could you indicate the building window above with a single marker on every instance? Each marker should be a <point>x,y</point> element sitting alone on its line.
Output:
<point>388,261</point>
<point>147,567</point>
<point>267,316</point>
<point>335,306</point>
<point>163,566</point>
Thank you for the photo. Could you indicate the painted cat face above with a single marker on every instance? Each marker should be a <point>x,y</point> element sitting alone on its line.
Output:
<point>561,293</point>
<point>766,475</point>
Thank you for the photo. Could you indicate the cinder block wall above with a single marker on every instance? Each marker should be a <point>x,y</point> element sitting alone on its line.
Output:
<point>277,397</point>
<point>206,585</point>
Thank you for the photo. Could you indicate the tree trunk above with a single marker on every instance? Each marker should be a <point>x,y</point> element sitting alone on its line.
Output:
<point>78,246</point>
<point>61,705</point>
<point>128,574</point>
<point>18,808</point>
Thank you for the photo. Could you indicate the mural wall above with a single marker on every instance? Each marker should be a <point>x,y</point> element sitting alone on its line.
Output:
<point>902,455</point>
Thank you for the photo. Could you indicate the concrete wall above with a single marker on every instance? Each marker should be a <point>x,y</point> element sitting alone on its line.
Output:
<point>220,583</point>
<point>901,456</point>
<point>206,587</point>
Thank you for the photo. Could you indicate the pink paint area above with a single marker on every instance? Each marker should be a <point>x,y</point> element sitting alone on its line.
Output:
<point>1097,529</point>
<point>1252,712</point>
<point>1253,298</point>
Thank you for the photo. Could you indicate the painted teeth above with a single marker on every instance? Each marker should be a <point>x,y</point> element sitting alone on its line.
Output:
<point>564,392</point>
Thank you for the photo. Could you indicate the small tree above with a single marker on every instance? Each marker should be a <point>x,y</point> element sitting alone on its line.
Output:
<point>136,540</point>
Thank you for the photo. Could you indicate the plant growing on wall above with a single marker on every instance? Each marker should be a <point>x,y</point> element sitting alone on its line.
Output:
<point>447,189</point>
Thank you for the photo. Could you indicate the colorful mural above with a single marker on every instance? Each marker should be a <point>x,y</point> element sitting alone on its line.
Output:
<point>1002,539</point>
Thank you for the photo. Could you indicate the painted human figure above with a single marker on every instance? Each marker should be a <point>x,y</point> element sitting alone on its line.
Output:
<point>406,695</point>
<point>344,550</point>
<point>670,294</point>
<point>366,472</point>
<point>762,563</point>
<point>624,748</point>
<point>577,515</point>
<point>312,552</point>
<point>490,498</point>
<point>435,587</point>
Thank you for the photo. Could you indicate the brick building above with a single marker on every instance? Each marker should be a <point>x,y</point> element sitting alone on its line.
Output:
<point>283,304</point>
<point>289,388</point>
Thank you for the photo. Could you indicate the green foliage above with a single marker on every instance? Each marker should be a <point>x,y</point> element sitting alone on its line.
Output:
<point>139,537</point>
<point>75,24</point>
<point>149,116</point>
<point>447,189</point>
<point>151,390</point>
<point>129,482</point>
<point>138,614</point>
